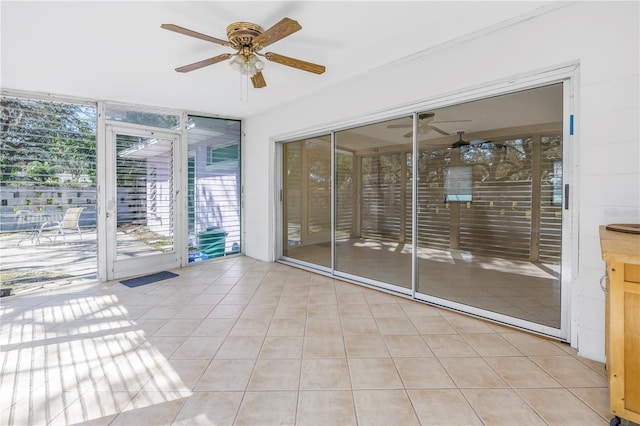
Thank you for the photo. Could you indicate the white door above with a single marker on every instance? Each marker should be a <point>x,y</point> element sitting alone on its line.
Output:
<point>141,191</point>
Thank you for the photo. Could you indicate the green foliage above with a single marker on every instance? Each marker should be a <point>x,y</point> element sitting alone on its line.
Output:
<point>40,139</point>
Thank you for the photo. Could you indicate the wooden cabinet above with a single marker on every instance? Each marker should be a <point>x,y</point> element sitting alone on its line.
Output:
<point>621,251</point>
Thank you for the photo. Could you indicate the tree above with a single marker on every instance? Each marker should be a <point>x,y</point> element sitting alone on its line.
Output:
<point>39,139</point>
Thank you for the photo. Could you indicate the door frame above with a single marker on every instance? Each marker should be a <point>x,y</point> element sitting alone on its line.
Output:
<point>109,268</point>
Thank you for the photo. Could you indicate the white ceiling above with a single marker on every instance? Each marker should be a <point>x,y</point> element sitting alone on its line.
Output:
<point>117,51</point>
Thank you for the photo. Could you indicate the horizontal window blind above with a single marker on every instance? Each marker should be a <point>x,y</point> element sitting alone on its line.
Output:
<point>47,166</point>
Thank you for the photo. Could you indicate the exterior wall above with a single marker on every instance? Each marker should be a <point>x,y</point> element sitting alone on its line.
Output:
<point>602,37</point>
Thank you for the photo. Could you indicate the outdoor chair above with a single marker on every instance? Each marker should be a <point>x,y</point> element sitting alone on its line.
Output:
<point>71,220</point>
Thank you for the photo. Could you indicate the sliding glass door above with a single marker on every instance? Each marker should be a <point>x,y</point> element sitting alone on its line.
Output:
<point>307,200</point>
<point>372,201</point>
<point>485,235</point>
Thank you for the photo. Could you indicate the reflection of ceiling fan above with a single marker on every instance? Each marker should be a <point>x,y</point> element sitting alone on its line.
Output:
<point>426,124</point>
<point>248,39</point>
<point>460,142</point>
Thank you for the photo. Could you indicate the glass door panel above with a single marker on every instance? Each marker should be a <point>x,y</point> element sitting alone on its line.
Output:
<point>141,206</point>
<point>372,200</point>
<point>307,200</point>
<point>213,188</point>
<point>490,207</point>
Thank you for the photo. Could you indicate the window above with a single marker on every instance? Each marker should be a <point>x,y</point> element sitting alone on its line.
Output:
<point>458,184</point>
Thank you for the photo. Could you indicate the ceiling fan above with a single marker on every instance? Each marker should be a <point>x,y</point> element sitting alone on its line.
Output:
<point>460,142</point>
<point>426,124</point>
<point>248,39</point>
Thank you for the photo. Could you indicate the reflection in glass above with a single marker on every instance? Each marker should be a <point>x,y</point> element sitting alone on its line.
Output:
<point>488,213</point>
<point>373,202</point>
<point>144,172</point>
<point>213,190</point>
<point>307,200</point>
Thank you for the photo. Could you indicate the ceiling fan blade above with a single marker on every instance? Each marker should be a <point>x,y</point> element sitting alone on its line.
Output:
<point>408,135</point>
<point>439,130</point>
<point>295,63</point>
<point>399,126</point>
<point>201,64</point>
<point>277,32</point>
<point>190,33</point>
<point>258,81</point>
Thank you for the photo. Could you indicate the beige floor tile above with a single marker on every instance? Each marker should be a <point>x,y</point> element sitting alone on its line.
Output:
<point>521,372</point>
<point>291,311</point>
<point>177,375</point>
<point>178,327</point>
<point>194,311</point>
<point>90,406</point>
<point>209,408</point>
<point>596,398</point>
<point>207,299</point>
<point>326,408</point>
<point>275,374</point>
<point>323,311</point>
<point>149,327</point>
<point>501,407</point>
<point>421,373</point>
<point>396,326</point>
<point>569,371</point>
<point>217,289</point>
<point>448,345</point>
<point>260,311</point>
<point>385,377</point>
<point>161,312</point>
<point>411,346</point>
<point>442,407</point>
<point>199,347</point>
<point>250,327</point>
<point>327,346</point>
<point>597,366</point>
<point>359,326</point>
<point>433,325</point>
<point>365,346</point>
<point>352,298</point>
<point>491,345</point>
<point>418,309</point>
<point>281,347</point>
<point>152,408</point>
<point>268,408</point>
<point>355,310</point>
<point>384,407</point>
<point>560,407</point>
<point>226,375</point>
<point>226,311</point>
<point>324,374</point>
<point>529,344</point>
<point>235,299</point>
<point>322,326</point>
<point>472,373</point>
<point>240,347</point>
<point>286,327</point>
<point>166,345</point>
<point>214,327</point>
<point>468,325</point>
<point>387,310</point>
<point>96,361</point>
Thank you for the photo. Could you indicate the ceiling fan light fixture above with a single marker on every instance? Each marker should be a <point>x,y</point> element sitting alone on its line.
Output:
<point>246,67</point>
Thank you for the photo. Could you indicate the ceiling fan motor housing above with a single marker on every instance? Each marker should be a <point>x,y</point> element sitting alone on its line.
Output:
<point>241,34</point>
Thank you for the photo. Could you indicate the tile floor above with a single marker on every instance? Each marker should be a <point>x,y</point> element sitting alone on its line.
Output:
<point>251,343</point>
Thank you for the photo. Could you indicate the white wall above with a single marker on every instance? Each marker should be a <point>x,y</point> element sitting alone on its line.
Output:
<point>601,36</point>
